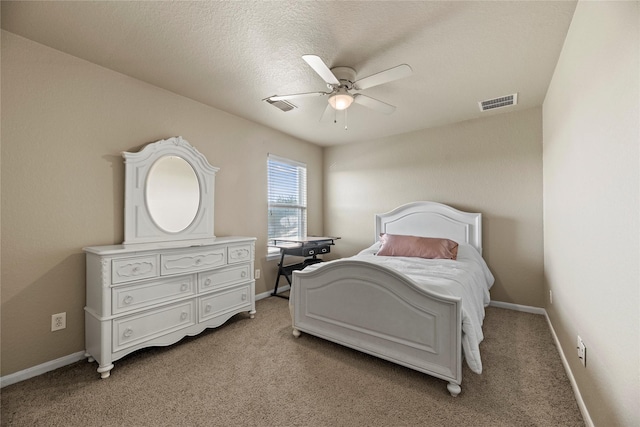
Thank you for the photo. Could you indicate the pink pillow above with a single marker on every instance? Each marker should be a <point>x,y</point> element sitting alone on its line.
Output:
<point>413,246</point>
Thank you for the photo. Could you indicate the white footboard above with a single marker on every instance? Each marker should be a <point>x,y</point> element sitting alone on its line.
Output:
<point>381,312</point>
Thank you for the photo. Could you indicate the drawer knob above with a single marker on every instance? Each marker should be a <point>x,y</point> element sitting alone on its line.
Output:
<point>198,261</point>
<point>135,269</point>
<point>311,252</point>
<point>243,274</point>
<point>207,282</point>
<point>184,287</point>
<point>127,299</point>
<point>184,315</point>
<point>207,308</point>
<point>127,332</point>
<point>244,296</point>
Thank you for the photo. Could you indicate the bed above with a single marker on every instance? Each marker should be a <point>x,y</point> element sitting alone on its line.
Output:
<point>425,314</point>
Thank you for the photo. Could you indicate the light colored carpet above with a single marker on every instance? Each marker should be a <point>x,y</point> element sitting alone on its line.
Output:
<point>253,372</point>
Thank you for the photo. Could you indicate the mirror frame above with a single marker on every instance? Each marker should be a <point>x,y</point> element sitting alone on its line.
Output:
<point>139,226</point>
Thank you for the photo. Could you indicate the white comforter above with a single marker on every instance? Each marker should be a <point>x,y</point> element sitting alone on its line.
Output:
<point>468,277</point>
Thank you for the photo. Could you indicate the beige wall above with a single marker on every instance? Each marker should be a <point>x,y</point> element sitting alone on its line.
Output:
<point>592,206</point>
<point>65,122</point>
<point>491,165</point>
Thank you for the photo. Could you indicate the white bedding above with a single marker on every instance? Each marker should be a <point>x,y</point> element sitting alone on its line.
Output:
<point>468,277</point>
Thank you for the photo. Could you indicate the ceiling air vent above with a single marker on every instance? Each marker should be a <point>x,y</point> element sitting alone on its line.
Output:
<point>282,105</point>
<point>503,101</point>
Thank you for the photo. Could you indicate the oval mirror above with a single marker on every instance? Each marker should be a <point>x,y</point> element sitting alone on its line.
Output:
<point>172,193</point>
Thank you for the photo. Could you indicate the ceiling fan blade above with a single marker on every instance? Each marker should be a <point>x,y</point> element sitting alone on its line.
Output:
<point>328,114</point>
<point>296,95</point>
<point>395,73</point>
<point>321,68</point>
<point>374,104</point>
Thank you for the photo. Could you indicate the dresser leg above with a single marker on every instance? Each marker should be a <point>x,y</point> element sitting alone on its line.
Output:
<point>105,371</point>
<point>252,314</point>
<point>90,358</point>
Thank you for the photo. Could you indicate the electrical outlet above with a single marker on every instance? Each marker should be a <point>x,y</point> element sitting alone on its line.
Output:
<point>58,321</point>
<point>257,276</point>
<point>582,351</point>
<point>550,296</point>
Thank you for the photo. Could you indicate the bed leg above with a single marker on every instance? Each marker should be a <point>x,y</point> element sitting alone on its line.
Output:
<point>454,389</point>
<point>296,333</point>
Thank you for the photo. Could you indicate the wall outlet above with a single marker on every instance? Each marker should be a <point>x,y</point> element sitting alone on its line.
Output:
<point>582,351</point>
<point>550,296</point>
<point>257,276</point>
<point>58,321</point>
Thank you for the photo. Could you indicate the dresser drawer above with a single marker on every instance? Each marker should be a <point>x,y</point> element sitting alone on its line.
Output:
<point>240,253</point>
<point>136,329</point>
<point>174,263</point>
<point>223,277</point>
<point>134,268</point>
<point>127,298</point>
<point>224,302</point>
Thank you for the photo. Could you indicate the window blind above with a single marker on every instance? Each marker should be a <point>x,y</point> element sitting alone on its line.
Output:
<point>287,198</point>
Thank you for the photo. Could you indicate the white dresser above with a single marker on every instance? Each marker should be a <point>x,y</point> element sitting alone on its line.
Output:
<point>146,297</point>
<point>172,276</point>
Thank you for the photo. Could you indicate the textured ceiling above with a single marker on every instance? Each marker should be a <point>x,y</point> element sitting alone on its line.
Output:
<point>232,55</point>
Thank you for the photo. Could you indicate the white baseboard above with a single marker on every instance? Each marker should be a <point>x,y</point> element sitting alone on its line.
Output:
<point>583,408</point>
<point>518,307</point>
<point>268,293</point>
<point>34,371</point>
<point>41,369</point>
<point>72,358</point>
<point>537,310</point>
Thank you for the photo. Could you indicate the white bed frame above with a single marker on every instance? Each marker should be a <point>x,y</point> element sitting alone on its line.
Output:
<point>379,311</point>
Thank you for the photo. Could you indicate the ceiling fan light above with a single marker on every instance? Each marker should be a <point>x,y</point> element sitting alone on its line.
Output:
<point>340,101</point>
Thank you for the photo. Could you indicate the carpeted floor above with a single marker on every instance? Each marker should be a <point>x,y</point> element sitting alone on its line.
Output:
<point>253,372</point>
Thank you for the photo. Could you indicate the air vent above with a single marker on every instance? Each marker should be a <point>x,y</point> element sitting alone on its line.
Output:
<point>282,105</point>
<point>503,101</point>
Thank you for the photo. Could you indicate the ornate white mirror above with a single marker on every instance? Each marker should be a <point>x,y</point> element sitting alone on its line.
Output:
<point>169,194</point>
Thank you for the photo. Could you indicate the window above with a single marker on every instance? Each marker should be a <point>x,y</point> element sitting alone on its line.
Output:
<point>287,199</point>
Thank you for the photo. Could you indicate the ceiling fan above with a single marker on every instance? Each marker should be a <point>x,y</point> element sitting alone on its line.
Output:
<point>343,86</point>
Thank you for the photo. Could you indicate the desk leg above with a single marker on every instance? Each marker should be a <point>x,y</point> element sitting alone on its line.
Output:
<point>280,273</point>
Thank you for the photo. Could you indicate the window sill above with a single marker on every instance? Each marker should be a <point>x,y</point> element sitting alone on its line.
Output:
<point>272,254</point>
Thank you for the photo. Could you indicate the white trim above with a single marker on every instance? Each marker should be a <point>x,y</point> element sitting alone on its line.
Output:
<point>268,293</point>
<point>51,365</point>
<point>537,310</point>
<point>75,357</point>
<point>300,184</point>
<point>576,391</point>
<point>43,368</point>
<point>272,253</point>
<point>518,307</point>
<point>286,161</point>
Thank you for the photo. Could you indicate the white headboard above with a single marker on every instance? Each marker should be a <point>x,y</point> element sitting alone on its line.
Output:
<point>432,219</point>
